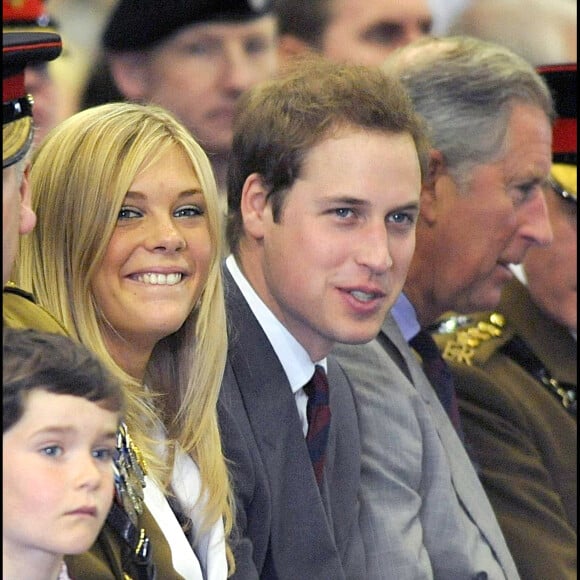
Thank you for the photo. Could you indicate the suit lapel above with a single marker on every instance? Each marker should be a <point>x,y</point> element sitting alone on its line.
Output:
<point>271,410</point>
<point>464,477</point>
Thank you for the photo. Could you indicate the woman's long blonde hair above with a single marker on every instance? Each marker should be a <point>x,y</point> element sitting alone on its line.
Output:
<point>79,178</point>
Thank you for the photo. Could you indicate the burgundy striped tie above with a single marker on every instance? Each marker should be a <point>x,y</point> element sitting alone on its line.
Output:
<point>318,415</point>
<point>439,375</point>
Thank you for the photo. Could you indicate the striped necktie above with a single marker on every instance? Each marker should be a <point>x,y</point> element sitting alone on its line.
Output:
<point>439,375</point>
<point>318,415</point>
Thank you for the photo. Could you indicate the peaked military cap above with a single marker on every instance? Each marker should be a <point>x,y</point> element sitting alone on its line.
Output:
<point>20,49</point>
<point>138,24</point>
<point>561,79</point>
<point>26,15</point>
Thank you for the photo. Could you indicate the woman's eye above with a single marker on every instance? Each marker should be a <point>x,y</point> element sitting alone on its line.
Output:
<point>126,213</point>
<point>189,211</point>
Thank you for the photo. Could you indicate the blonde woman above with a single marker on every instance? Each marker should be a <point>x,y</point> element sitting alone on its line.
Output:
<point>126,254</point>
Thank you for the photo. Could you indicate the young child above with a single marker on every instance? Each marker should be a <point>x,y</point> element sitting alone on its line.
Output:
<point>61,410</point>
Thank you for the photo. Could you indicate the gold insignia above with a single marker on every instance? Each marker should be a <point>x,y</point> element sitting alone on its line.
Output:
<point>462,348</point>
<point>497,319</point>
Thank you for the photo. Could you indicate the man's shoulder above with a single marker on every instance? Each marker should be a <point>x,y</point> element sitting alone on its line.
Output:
<point>373,353</point>
<point>471,340</point>
<point>19,310</point>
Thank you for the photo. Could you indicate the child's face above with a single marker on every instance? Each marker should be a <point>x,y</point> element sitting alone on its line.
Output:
<point>57,482</point>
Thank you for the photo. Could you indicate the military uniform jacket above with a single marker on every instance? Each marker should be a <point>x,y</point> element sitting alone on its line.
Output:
<point>104,560</point>
<point>522,437</point>
<point>287,529</point>
<point>19,310</point>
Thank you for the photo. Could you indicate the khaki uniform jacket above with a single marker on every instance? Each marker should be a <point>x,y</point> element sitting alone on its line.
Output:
<point>20,311</point>
<point>519,432</point>
<point>103,561</point>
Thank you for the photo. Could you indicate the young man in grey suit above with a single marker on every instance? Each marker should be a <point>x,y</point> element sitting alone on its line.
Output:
<point>424,511</point>
<point>323,194</point>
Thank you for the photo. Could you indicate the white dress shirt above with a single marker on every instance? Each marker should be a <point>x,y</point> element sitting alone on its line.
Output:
<point>296,362</point>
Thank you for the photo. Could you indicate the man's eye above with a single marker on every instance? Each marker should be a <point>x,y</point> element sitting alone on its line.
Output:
<point>344,212</point>
<point>256,45</point>
<point>203,48</point>
<point>385,34</point>
<point>402,217</point>
<point>525,191</point>
<point>426,26</point>
<point>527,188</point>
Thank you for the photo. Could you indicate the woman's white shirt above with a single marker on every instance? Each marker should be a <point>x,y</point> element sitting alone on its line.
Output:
<point>208,561</point>
<point>210,546</point>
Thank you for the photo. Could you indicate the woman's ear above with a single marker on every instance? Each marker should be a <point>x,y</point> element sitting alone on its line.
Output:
<point>254,206</point>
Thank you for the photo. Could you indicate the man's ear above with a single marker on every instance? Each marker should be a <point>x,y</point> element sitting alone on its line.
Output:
<point>430,187</point>
<point>254,206</point>
<point>129,72</point>
<point>290,46</point>
<point>27,215</point>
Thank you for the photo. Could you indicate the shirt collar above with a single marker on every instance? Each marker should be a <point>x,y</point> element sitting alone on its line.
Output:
<point>405,316</point>
<point>292,355</point>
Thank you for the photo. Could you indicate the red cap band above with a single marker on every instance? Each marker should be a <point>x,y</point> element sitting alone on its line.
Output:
<point>22,11</point>
<point>13,87</point>
<point>564,136</point>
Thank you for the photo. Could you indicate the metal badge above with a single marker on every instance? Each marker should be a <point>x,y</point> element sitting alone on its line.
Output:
<point>130,471</point>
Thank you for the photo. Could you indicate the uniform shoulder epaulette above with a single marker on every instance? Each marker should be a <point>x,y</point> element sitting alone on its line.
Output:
<point>463,338</point>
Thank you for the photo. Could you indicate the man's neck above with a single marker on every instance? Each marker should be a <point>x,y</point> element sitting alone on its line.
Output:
<point>423,303</point>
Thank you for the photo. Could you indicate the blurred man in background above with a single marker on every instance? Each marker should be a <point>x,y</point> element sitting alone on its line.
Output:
<point>348,30</point>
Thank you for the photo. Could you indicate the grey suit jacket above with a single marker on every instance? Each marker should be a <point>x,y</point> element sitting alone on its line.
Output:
<point>286,528</point>
<point>424,513</point>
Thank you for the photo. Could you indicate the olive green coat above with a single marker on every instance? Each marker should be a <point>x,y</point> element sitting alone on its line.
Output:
<point>519,432</point>
<point>103,561</point>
